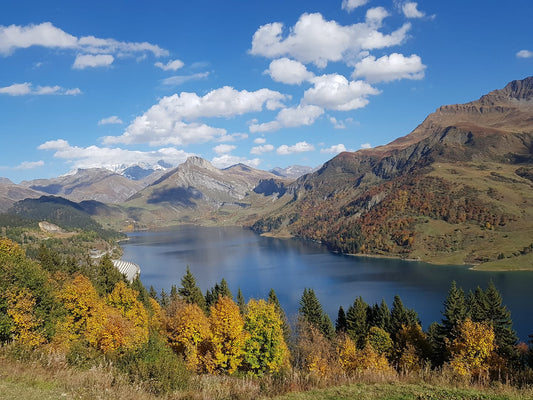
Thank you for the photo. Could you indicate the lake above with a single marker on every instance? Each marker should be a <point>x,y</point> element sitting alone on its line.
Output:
<point>255,264</point>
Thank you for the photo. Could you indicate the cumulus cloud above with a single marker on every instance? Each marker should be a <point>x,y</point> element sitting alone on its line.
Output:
<point>366,146</point>
<point>390,68</point>
<point>30,164</point>
<point>335,149</point>
<point>259,140</point>
<point>177,80</point>
<point>227,160</point>
<point>299,147</point>
<point>110,120</point>
<point>106,157</point>
<point>315,40</point>
<point>174,120</point>
<point>350,5</point>
<point>290,118</point>
<point>46,35</point>
<point>26,88</point>
<point>224,148</point>
<point>376,15</point>
<point>262,149</point>
<point>410,10</point>
<point>83,61</point>
<point>288,71</point>
<point>524,54</point>
<point>172,65</point>
<point>335,92</point>
<point>339,124</point>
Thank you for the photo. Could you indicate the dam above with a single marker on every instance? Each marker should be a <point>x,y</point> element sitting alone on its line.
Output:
<point>131,270</point>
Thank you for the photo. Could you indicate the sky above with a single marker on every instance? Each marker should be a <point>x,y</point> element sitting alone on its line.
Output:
<point>265,83</point>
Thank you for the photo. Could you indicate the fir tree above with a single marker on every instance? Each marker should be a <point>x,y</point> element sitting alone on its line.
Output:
<point>224,290</point>
<point>311,311</point>
<point>153,294</point>
<point>455,311</point>
<point>401,316</point>
<point>164,299</point>
<point>477,305</point>
<point>356,322</point>
<point>500,319</point>
<point>107,276</point>
<point>340,323</point>
<point>273,299</point>
<point>379,316</point>
<point>241,302</point>
<point>143,296</point>
<point>173,293</point>
<point>189,291</point>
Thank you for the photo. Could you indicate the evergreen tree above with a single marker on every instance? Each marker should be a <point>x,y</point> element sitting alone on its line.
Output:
<point>164,299</point>
<point>189,291</point>
<point>340,323</point>
<point>143,296</point>
<point>273,299</point>
<point>379,316</point>
<point>224,290</point>
<point>311,311</point>
<point>153,294</point>
<point>455,311</point>
<point>356,322</point>
<point>500,319</point>
<point>173,293</point>
<point>108,276</point>
<point>241,302</point>
<point>401,316</point>
<point>477,305</point>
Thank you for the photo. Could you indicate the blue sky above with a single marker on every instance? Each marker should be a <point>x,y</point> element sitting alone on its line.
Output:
<point>267,83</point>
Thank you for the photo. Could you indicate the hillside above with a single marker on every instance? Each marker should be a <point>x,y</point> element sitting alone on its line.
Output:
<point>457,189</point>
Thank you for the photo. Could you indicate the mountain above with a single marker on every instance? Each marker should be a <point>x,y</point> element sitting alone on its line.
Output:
<point>294,171</point>
<point>457,189</point>
<point>10,193</point>
<point>88,184</point>
<point>196,191</point>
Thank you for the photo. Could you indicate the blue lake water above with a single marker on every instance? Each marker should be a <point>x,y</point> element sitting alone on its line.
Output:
<point>256,264</point>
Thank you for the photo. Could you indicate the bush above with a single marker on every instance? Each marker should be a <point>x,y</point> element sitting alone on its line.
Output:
<point>155,367</point>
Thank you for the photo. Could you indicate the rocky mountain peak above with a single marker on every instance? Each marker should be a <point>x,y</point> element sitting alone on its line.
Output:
<point>521,90</point>
<point>197,161</point>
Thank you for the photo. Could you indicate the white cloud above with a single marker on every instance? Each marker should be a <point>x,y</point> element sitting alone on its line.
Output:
<point>339,124</point>
<point>315,40</point>
<point>259,140</point>
<point>290,118</point>
<point>524,54</point>
<point>46,35</point>
<point>376,15</point>
<point>350,5</point>
<point>288,71</point>
<point>83,61</point>
<point>110,120</point>
<point>262,149</point>
<point>227,160</point>
<point>299,147</point>
<point>390,68</point>
<point>174,120</point>
<point>181,79</point>
<point>30,164</point>
<point>224,148</point>
<point>335,149</point>
<point>335,92</point>
<point>410,10</point>
<point>24,89</point>
<point>172,65</point>
<point>366,146</point>
<point>105,157</point>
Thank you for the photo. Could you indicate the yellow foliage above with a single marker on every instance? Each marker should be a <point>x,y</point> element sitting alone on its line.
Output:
<point>473,349</point>
<point>20,304</point>
<point>188,333</point>
<point>11,249</point>
<point>227,328</point>
<point>314,352</point>
<point>354,360</point>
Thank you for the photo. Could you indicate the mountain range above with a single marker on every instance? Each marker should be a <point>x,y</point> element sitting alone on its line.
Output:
<point>457,189</point>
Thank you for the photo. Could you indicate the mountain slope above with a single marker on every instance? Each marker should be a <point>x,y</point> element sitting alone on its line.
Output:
<point>88,184</point>
<point>198,192</point>
<point>457,189</point>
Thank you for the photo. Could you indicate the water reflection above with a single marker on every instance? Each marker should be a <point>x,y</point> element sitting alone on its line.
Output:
<point>256,264</point>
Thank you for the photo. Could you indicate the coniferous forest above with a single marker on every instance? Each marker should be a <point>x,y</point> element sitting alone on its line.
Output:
<point>61,315</point>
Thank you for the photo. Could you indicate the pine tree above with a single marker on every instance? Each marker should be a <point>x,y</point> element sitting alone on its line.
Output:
<point>401,316</point>
<point>107,276</point>
<point>311,310</point>
<point>340,323</point>
<point>455,311</point>
<point>500,318</point>
<point>224,290</point>
<point>153,294</point>
<point>356,322</point>
<point>164,299</point>
<point>273,299</point>
<point>379,316</point>
<point>241,302</point>
<point>189,291</point>
<point>173,293</point>
<point>477,305</point>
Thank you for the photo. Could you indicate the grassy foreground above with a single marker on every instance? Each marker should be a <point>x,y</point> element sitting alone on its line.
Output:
<point>34,381</point>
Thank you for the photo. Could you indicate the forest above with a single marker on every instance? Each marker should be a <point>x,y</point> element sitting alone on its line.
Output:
<point>81,316</point>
